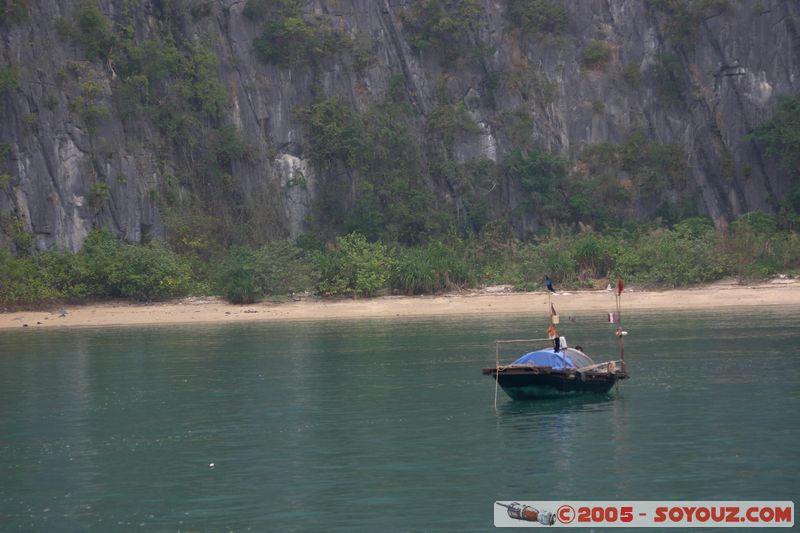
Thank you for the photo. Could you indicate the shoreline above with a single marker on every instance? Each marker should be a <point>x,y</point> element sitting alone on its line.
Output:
<point>489,301</point>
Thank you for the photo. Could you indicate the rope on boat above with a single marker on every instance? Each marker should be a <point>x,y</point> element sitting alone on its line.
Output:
<point>496,372</point>
<point>497,361</point>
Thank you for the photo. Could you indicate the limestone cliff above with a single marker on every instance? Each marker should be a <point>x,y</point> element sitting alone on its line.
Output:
<point>75,160</point>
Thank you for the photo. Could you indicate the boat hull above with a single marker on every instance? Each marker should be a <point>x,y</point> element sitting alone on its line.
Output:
<point>530,383</point>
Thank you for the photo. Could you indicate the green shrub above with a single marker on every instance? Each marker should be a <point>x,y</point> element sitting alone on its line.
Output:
<point>389,197</point>
<point>362,50</point>
<point>201,10</point>
<point>756,222</point>
<point>667,72</point>
<point>540,173</point>
<point>150,273</point>
<point>65,273</point>
<point>21,282</point>
<point>683,18</point>
<point>538,17</point>
<point>9,79</point>
<point>257,10</point>
<point>13,11</point>
<point>276,269</point>
<point>551,257</point>
<point>432,268</point>
<point>758,249</point>
<point>173,83</point>
<point>785,248</point>
<point>126,271</point>
<point>23,242</point>
<point>393,201</point>
<point>695,227</point>
<point>750,242</point>
<point>92,32</point>
<point>594,256</point>
<point>355,267</point>
<point>444,26</point>
<point>597,55</point>
<point>781,133</point>
<point>336,132</point>
<point>238,279</point>
<point>632,74</point>
<point>658,166</point>
<point>447,121</point>
<point>42,278</point>
<point>519,126</point>
<point>6,149</point>
<point>292,40</point>
<point>670,258</point>
<point>789,209</point>
<point>98,193</point>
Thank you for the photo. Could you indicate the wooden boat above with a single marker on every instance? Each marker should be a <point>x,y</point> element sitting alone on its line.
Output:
<point>549,373</point>
<point>559,370</point>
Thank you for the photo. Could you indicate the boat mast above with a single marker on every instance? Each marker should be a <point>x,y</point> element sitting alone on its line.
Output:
<point>552,331</point>
<point>620,333</point>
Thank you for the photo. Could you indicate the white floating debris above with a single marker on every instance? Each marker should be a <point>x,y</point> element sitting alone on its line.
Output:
<point>211,465</point>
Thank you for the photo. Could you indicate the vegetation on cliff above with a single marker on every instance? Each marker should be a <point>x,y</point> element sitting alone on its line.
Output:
<point>781,135</point>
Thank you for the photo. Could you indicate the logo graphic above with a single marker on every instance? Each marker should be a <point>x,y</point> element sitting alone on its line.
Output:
<point>527,513</point>
<point>566,514</point>
<point>654,513</point>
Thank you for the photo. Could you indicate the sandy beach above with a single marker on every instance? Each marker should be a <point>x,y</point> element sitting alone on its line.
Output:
<point>489,301</point>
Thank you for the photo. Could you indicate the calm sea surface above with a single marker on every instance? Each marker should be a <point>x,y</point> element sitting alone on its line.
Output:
<point>383,425</point>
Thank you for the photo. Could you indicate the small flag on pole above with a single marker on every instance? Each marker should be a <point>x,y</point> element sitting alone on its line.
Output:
<point>620,286</point>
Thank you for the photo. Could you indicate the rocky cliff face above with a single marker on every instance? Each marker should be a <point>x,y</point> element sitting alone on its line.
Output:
<point>617,71</point>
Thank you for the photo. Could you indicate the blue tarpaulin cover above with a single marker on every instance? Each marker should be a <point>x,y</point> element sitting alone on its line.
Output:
<point>548,357</point>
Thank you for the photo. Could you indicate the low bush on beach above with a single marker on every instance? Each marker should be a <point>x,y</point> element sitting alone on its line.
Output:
<point>144,273</point>
<point>671,258</point>
<point>105,268</point>
<point>690,252</point>
<point>758,248</point>
<point>432,268</point>
<point>22,283</point>
<point>276,269</point>
<point>354,267</point>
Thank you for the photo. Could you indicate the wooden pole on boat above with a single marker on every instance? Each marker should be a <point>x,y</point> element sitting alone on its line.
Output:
<point>553,332</point>
<point>496,371</point>
<point>620,288</point>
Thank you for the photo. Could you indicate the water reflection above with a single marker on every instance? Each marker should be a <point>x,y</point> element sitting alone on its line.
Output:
<point>578,403</point>
<point>377,425</point>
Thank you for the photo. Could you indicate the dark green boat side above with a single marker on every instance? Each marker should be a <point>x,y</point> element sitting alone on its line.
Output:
<point>525,382</point>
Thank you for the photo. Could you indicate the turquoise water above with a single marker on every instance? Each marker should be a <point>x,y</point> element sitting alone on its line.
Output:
<point>382,425</point>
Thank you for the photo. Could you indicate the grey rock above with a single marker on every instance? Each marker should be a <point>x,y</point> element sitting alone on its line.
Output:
<point>742,59</point>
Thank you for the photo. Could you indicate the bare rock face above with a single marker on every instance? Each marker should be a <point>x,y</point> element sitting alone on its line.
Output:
<point>74,163</point>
